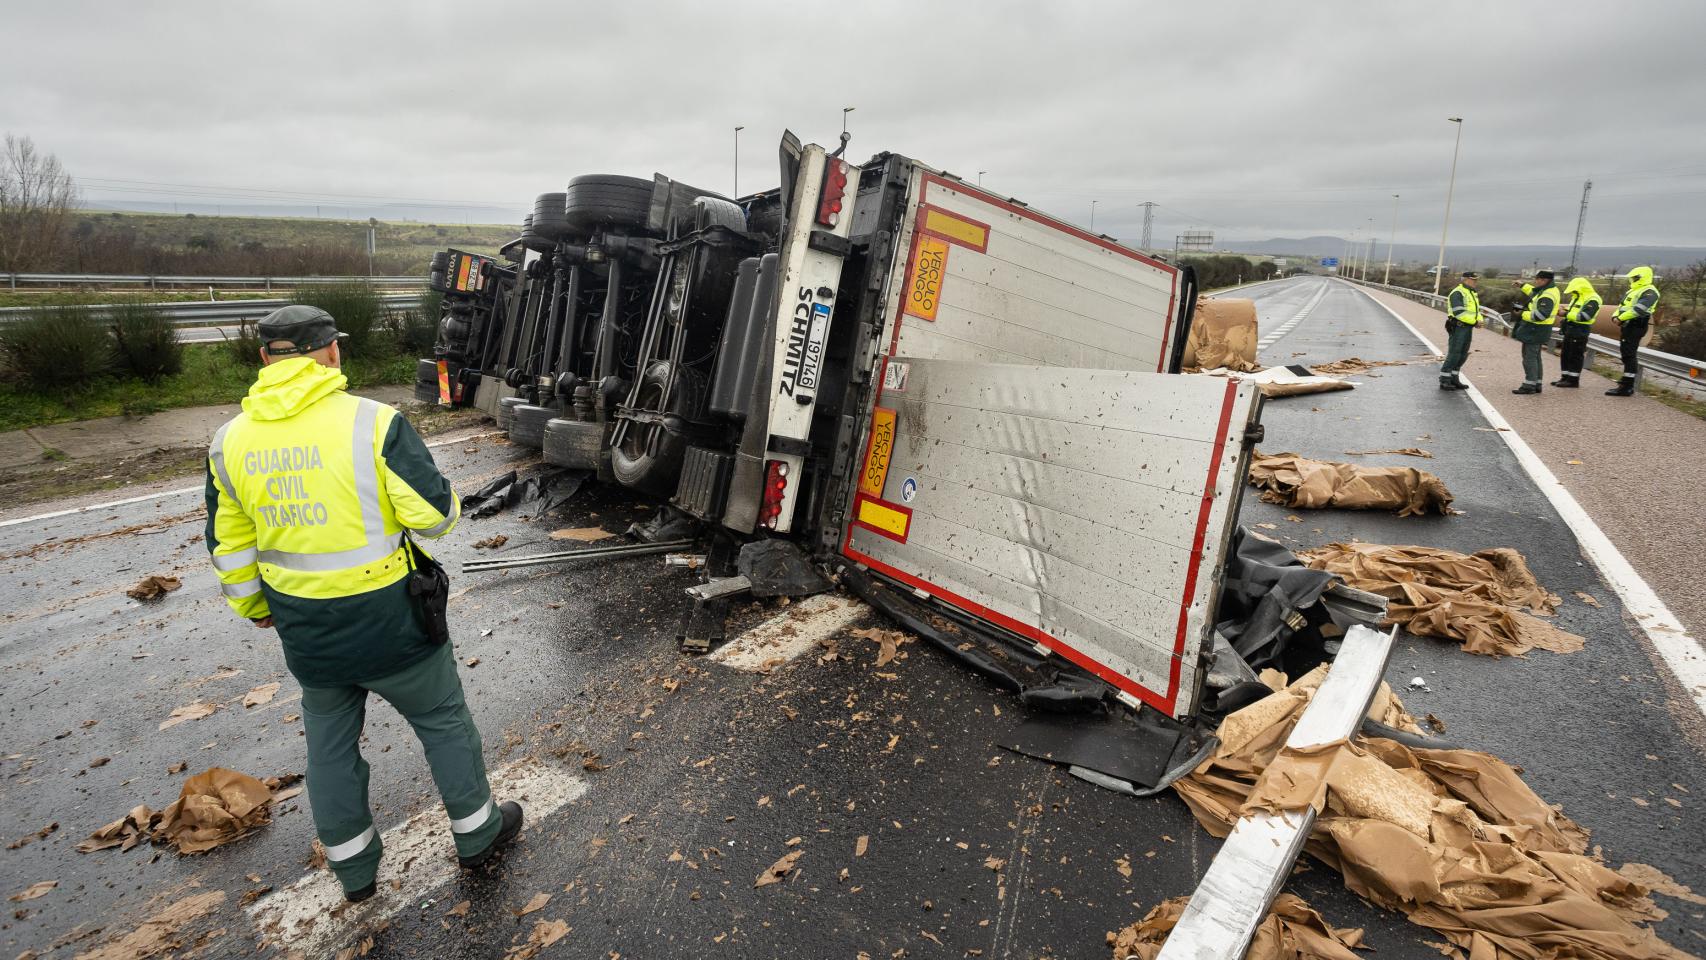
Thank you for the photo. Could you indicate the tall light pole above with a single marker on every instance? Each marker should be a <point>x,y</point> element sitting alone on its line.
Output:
<point>1092,215</point>
<point>844,112</point>
<point>1451,186</point>
<point>1369,253</point>
<point>737,160</point>
<point>1387,280</point>
<point>980,174</point>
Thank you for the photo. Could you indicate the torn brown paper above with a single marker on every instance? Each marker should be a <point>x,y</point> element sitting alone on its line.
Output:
<point>1452,838</point>
<point>152,588</point>
<point>160,933</point>
<point>1292,930</point>
<point>778,871</point>
<point>1292,480</point>
<point>1401,451</point>
<point>1223,334</point>
<point>261,695</point>
<point>585,534</point>
<point>214,807</point>
<point>1484,601</point>
<point>191,711</point>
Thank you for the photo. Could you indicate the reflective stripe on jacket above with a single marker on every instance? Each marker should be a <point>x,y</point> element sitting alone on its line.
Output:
<point>309,491</point>
<point>1463,305</point>
<point>1542,309</point>
<point>1584,302</point>
<point>1639,302</point>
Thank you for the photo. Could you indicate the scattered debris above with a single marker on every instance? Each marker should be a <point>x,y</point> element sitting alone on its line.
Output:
<point>1435,723</point>
<point>1658,881</point>
<point>584,534</point>
<point>460,910</point>
<point>213,808</point>
<point>1477,600</point>
<point>1222,336</point>
<point>192,711</point>
<point>1296,481</point>
<point>545,933</point>
<point>1587,599</point>
<point>33,891</point>
<point>778,871</point>
<point>1417,683</point>
<point>534,905</point>
<point>492,542</point>
<point>1354,365</point>
<point>861,845</point>
<point>41,834</point>
<point>1292,930</point>
<point>1402,451</point>
<point>152,588</point>
<point>261,695</point>
<point>888,642</point>
<point>1452,838</point>
<point>158,934</point>
<point>1289,381</point>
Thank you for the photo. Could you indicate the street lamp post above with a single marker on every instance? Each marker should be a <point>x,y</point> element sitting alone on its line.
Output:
<point>980,174</point>
<point>737,160</point>
<point>844,112</point>
<point>1369,253</point>
<point>1387,279</point>
<point>1439,265</point>
<point>1092,215</point>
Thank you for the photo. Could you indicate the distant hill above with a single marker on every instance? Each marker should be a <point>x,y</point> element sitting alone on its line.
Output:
<point>1507,257</point>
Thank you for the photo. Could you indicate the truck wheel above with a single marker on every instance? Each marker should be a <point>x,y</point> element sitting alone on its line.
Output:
<point>506,411</point>
<point>573,443</point>
<point>527,425</point>
<point>548,219</point>
<point>426,380</point>
<point>598,201</point>
<point>649,457</point>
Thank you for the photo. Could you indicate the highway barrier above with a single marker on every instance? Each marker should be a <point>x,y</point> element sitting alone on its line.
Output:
<point>18,281</point>
<point>214,313</point>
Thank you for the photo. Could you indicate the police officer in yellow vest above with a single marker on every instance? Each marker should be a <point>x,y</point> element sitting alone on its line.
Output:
<point>1581,306</point>
<point>1633,318</point>
<point>311,492</point>
<point>1462,313</point>
<point>1535,322</point>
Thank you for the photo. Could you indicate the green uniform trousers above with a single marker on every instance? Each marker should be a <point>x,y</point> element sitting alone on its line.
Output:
<point>1533,368</point>
<point>429,695</point>
<point>1458,336</point>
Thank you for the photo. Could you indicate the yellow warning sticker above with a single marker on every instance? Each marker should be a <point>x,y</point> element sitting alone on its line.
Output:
<point>924,286</point>
<point>876,472</point>
<point>885,519</point>
<point>974,235</point>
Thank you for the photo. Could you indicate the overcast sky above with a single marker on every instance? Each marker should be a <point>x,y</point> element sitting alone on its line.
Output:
<point>1252,119</point>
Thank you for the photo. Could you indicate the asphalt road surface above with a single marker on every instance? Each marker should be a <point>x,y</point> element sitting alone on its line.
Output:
<point>660,787</point>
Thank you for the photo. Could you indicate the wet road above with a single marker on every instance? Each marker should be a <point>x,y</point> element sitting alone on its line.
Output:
<point>675,782</point>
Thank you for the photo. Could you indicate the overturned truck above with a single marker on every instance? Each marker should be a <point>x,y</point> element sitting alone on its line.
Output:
<point>969,411</point>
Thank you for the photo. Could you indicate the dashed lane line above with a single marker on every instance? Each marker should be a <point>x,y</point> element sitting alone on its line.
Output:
<point>1296,319</point>
<point>790,633</point>
<point>180,491</point>
<point>1681,652</point>
<point>419,855</point>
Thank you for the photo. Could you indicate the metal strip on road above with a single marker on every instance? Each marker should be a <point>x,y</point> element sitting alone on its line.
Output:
<point>180,491</point>
<point>1681,652</point>
<point>1257,857</point>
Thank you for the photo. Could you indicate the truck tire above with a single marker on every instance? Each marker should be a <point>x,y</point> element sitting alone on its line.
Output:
<point>649,457</point>
<point>600,200</point>
<point>506,411</point>
<point>573,443</point>
<point>426,380</point>
<point>548,219</point>
<point>527,424</point>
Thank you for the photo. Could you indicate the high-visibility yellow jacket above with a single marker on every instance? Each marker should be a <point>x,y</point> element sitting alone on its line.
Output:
<point>1463,305</point>
<point>1642,298</point>
<point>1584,302</point>
<point>309,491</point>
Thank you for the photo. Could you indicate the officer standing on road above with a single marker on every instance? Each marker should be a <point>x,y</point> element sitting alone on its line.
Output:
<point>1462,313</point>
<point>310,494</point>
<point>1534,325</point>
<point>1633,318</point>
<point>1581,306</point>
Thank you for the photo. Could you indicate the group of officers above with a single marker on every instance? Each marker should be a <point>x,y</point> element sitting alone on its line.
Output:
<point>1545,309</point>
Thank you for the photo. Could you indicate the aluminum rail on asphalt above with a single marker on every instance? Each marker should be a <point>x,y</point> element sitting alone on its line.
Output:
<point>590,553</point>
<point>1656,361</point>
<point>1257,857</point>
<point>202,313</point>
<point>118,280</point>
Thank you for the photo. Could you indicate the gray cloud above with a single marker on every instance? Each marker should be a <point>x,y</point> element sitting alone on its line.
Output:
<point>1250,118</point>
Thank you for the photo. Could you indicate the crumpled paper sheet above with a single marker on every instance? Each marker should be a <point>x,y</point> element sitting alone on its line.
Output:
<point>1352,365</point>
<point>1478,600</point>
<point>213,808</point>
<point>160,933</point>
<point>152,588</point>
<point>1284,381</point>
<point>1452,838</point>
<point>1290,931</point>
<point>1223,334</point>
<point>1296,481</point>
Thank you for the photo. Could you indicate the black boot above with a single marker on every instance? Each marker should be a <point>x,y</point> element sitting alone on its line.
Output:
<point>511,813</point>
<point>356,896</point>
<point>1527,388</point>
<point>1566,382</point>
<point>1447,384</point>
<point>1624,389</point>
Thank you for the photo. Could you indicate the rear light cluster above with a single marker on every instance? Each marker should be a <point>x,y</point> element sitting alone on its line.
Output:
<point>834,186</point>
<point>775,485</point>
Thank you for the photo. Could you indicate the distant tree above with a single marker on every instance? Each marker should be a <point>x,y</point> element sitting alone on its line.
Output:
<point>1491,273</point>
<point>36,200</point>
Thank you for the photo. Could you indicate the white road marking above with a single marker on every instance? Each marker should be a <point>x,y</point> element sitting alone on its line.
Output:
<point>1681,652</point>
<point>789,633</point>
<point>1296,319</point>
<point>180,491</point>
<point>419,852</point>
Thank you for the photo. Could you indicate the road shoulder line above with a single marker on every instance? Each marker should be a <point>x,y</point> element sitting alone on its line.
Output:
<point>1681,652</point>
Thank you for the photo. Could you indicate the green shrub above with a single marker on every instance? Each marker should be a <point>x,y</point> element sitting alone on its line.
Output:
<point>146,341</point>
<point>58,348</point>
<point>245,347</point>
<point>1686,339</point>
<point>416,329</point>
<point>354,305</point>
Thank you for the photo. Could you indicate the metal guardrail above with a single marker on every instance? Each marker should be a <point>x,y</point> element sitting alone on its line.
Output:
<point>16,280</point>
<point>1691,372</point>
<point>215,313</point>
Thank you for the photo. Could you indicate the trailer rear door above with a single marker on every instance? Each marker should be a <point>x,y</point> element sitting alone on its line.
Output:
<point>1026,464</point>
